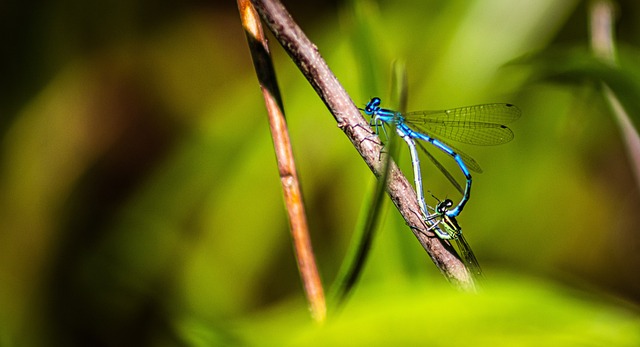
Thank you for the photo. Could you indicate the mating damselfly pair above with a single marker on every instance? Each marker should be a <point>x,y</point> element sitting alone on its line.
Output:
<point>477,125</point>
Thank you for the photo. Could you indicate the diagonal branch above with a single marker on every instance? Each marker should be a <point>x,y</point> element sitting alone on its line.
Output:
<point>306,56</point>
<point>286,164</point>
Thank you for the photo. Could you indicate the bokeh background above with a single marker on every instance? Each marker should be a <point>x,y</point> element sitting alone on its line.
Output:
<point>141,205</point>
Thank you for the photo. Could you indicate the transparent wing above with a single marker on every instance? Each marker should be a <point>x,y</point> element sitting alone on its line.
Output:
<point>440,167</point>
<point>467,255</point>
<point>485,113</point>
<point>478,124</point>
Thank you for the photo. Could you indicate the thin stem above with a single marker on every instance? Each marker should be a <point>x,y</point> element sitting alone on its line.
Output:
<point>306,56</point>
<point>603,46</point>
<point>286,164</point>
<point>360,247</point>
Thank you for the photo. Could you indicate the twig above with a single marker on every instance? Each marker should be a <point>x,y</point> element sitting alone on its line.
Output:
<point>286,164</point>
<point>306,56</point>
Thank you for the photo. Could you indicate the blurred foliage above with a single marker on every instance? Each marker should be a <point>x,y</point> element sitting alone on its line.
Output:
<point>141,203</point>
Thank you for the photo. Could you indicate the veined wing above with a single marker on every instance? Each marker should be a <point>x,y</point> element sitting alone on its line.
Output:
<point>485,113</point>
<point>478,125</point>
<point>467,255</point>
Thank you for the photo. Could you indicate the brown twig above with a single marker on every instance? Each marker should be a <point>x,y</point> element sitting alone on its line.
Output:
<point>286,164</point>
<point>305,54</point>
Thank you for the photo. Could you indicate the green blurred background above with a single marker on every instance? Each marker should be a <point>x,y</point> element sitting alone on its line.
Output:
<point>141,205</point>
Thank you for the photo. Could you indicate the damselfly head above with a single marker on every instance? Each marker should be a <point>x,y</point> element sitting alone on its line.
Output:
<point>372,106</point>
<point>444,206</point>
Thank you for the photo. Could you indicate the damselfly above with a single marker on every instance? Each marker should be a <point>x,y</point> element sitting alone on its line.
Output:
<point>478,125</point>
<point>453,232</point>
